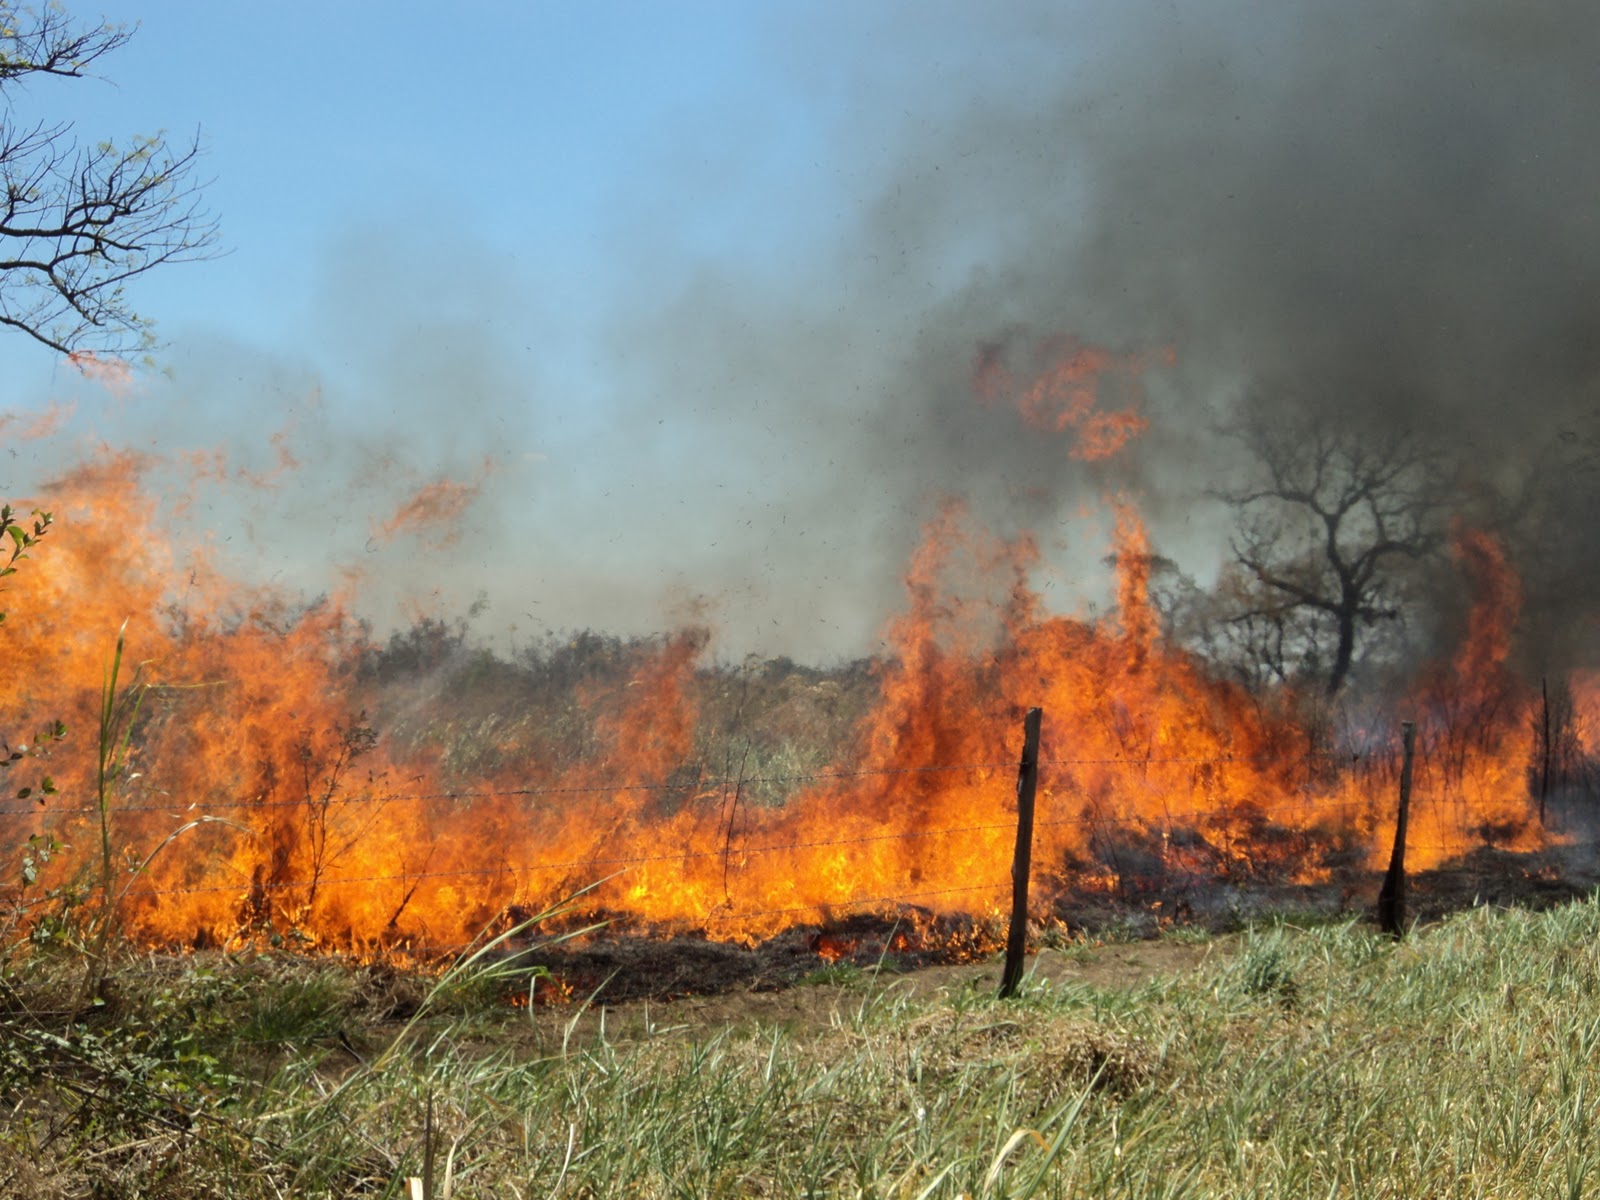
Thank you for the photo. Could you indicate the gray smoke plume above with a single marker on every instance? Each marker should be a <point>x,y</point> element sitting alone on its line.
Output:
<point>1381,214</point>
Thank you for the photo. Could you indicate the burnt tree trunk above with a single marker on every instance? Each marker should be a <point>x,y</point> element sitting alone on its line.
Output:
<point>1345,614</point>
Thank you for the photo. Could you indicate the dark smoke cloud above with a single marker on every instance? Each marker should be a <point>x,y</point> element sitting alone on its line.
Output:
<point>1397,199</point>
<point>1380,214</point>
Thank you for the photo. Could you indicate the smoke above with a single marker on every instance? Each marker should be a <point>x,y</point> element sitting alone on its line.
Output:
<point>1388,198</point>
<point>1382,215</point>
<point>1376,216</point>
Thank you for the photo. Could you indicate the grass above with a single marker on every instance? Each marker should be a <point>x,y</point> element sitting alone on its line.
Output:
<point>835,975</point>
<point>1312,1061</point>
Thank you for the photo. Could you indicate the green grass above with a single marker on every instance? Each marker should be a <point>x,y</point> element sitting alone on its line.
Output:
<point>835,975</point>
<point>1308,1061</point>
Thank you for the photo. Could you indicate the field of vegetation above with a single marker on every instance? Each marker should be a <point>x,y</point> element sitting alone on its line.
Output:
<point>1273,1057</point>
<point>1235,1057</point>
<point>1309,1059</point>
<point>294,906</point>
<point>434,690</point>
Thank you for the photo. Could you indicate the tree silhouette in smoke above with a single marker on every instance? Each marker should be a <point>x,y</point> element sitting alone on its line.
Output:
<point>1330,519</point>
<point>80,220</point>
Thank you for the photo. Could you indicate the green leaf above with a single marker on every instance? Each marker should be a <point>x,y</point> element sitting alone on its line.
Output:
<point>24,793</point>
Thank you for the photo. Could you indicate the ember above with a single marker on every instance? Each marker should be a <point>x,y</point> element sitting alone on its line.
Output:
<point>830,948</point>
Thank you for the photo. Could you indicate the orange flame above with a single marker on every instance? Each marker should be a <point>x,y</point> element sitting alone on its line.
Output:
<point>1064,395</point>
<point>435,507</point>
<point>1475,720</point>
<point>1152,769</point>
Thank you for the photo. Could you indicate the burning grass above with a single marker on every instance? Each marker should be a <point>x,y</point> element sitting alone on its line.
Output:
<point>285,779</point>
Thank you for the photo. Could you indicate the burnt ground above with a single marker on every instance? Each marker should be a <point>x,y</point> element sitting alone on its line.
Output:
<point>815,1003</point>
<point>1105,938</point>
<point>819,1002</point>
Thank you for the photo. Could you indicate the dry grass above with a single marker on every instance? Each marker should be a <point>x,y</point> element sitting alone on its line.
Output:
<point>1312,1062</point>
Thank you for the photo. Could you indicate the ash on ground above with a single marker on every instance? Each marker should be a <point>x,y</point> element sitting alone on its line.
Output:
<point>619,962</point>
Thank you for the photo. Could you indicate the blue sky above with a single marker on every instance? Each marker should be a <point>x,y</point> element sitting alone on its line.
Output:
<point>538,134</point>
<point>550,137</point>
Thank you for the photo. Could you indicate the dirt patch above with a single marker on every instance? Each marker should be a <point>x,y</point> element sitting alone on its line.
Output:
<point>827,1001</point>
<point>1118,965</point>
<point>811,978</point>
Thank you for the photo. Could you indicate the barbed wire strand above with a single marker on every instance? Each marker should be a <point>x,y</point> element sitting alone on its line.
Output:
<point>859,901</point>
<point>832,906</point>
<point>1307,806</point>
<point>1165,824</point>
<point>707,785</point>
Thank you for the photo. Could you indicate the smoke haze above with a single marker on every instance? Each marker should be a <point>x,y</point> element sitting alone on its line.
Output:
<point>1382,214</point>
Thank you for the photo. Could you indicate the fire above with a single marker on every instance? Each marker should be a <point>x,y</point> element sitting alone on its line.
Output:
<point>1063,394</point>
<point>1476,717</point>
<point>1152,768</point>
<point>1585,687</point>
<point>439,505</point>
<point>831,949</point>
<point>35,426</point>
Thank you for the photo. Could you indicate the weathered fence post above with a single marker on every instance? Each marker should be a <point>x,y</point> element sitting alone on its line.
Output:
<point>1392,896</point>
<point>1544,773</point>
<point>1022,860</point>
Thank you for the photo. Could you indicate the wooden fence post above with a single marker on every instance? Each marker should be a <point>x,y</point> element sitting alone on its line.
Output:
<point>1392,896</point>
<point>1022,860</point>
<point>1544,773</point>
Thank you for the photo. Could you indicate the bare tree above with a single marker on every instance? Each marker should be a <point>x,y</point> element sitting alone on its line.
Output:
<point>1328,522</point>
<point>78,221</point>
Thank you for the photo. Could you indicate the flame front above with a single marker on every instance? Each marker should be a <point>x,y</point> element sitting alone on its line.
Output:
<point>1150,764</point>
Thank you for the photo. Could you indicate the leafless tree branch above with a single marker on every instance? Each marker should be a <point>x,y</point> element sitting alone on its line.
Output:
<point>1327,523</point>
<point>45,41</point>
<point>79,221</point>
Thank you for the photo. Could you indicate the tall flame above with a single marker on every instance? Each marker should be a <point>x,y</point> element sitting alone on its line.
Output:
<point>255,718</point>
